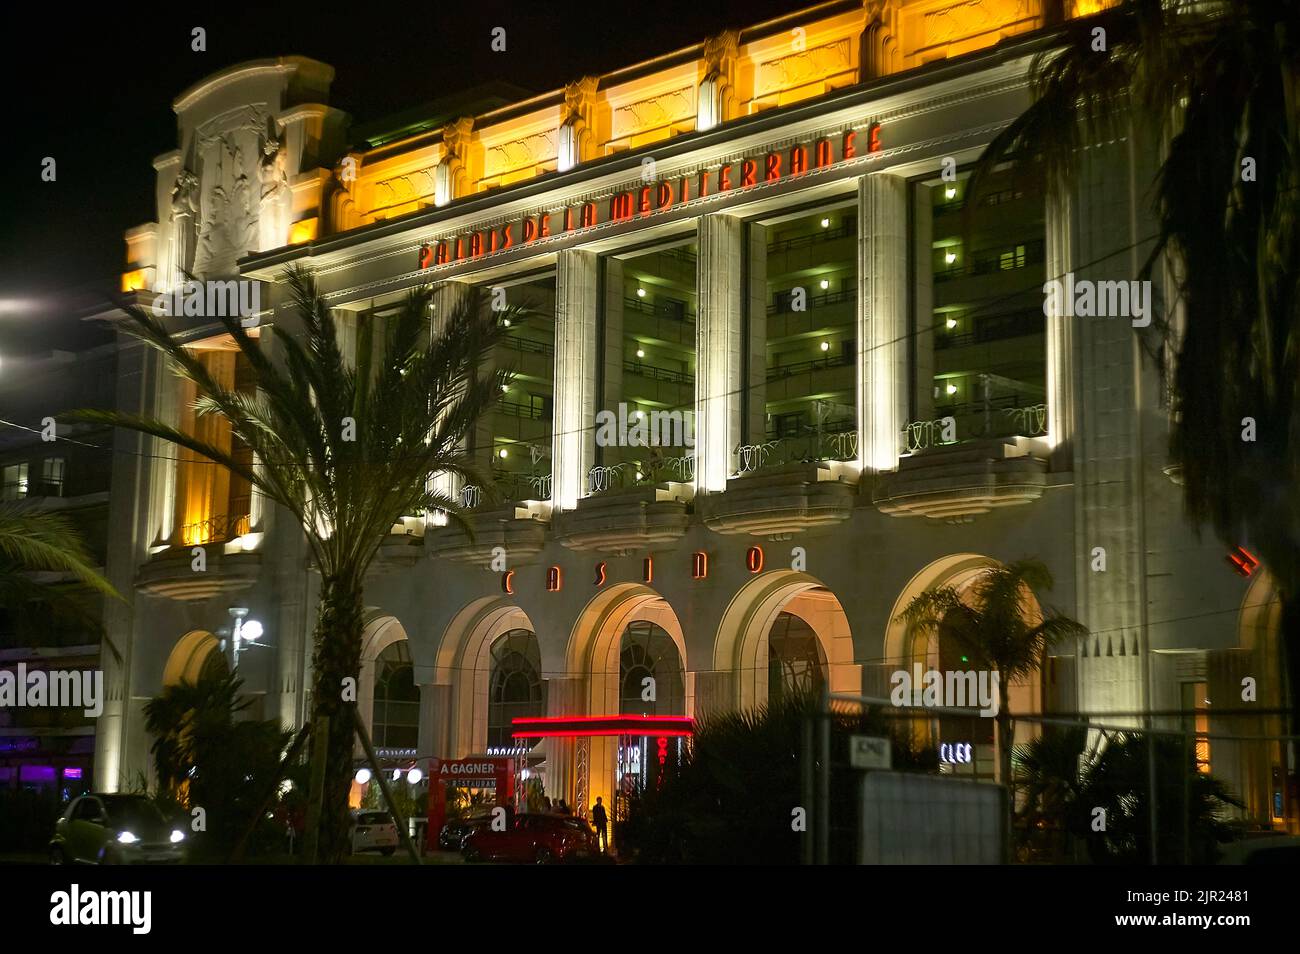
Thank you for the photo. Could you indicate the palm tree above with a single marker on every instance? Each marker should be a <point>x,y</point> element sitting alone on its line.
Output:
<point>347,452</point>
<point>38,541</point>
<point>1220,82</point>
<point>994,624</point>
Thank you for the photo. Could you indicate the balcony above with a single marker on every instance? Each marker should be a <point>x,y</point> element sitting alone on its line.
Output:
<point>630,507</point>
<point>786,485</point>
<point>231,558</point>
<point>961,480</point>
<point>513,513</point>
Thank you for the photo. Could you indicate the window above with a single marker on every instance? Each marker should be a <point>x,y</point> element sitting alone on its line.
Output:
<point>52,474</point>
<point>795,661</point>
<point>515,685</point>
<point>648,652</point>
<point>397,700</point>
<point>15,481</point>
<point>1197,720</point>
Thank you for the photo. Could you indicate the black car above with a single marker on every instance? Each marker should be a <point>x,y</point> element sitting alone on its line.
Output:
<point>453,834</point>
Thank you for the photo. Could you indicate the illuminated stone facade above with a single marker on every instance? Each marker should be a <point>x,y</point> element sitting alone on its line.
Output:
<point>760,231</point>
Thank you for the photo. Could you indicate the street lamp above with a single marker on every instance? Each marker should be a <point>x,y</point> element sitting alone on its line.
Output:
<point>245,631</point>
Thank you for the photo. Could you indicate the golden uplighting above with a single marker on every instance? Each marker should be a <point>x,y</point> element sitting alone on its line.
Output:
<point>133,280</point>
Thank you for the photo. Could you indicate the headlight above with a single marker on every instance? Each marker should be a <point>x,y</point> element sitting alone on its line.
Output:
<point>177,836</point>
<point>127,838</point>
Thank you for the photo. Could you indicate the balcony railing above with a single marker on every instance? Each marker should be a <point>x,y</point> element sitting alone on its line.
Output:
<point>220,528</point>
<point>805,367</point>
<point>527,345</point>
<point>658,374</point>
<point>659,309</point>
<point>605,477</point>
<point>966,422</point>
<point>783,300</point>
<point>839,444</point>
<point>996,328</point>
<point>843,230</point>
<point>508,487</point>
<point>990,261</point>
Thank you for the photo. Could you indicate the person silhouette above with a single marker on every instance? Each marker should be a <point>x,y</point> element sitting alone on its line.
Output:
<point>601,821</point>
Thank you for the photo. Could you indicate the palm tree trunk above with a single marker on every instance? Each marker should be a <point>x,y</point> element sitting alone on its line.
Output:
<point>337,658</point>
<point>1004,756</point>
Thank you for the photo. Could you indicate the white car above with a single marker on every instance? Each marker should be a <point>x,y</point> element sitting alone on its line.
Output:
<point>373,831</point>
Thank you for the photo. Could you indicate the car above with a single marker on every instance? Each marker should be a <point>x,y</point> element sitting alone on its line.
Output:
<point>111,829</point>
<point>453,834</point>
<point>534,838</point>
<point>1270,848</point>
<point>373,831</point>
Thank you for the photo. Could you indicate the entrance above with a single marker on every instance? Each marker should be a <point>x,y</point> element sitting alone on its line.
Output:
<point>647,745</point>
<point>478,780</point>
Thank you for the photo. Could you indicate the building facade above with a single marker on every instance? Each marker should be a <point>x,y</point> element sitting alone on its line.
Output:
<point>779,377</point>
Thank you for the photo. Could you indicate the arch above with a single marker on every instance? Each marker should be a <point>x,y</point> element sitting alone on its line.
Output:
<point>464,663</point>
<point>592,661</point>
<point>741,647</point>
<point>595,642</point>
<point>188,657</point>
<point>1260,618</point>
<point>903,647</point>
<point>381,631</point>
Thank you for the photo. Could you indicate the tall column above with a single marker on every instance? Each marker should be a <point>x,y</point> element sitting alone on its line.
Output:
<point>576,316</point>
<point>435,720</point>
<point>563,698</point>
<point>1060,334</point>
<point>718,354</point>
<point>446,296</point>
<point>882,319</point>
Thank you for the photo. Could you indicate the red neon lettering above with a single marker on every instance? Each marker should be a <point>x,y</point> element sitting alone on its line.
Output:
<point>798,160</point>
<point>460,249</point>
<point>600,573</point>
<point>589,214</point>
<point>643,203</point>
<point>620,207</point>
<point>773,171</point>
<point>426,256</point>
<point>704,184</point>
<point>492,240</point>
<point>665,195</point>
<point>648,569</point>
<point>849,149</point>
<point>553,579</point>
<point>545,229</point>
<point>684,192</point>
<point>440,256</point>
<point>724,178</point>
<point>823,153</point>
<point>507,581</point>
<point>475,245</point>
<point>747,171</point>
<point>530,230</point>
<point>507,239</point>
<point>754,559</point>
<point>699,565</point>
<point>873,138</point>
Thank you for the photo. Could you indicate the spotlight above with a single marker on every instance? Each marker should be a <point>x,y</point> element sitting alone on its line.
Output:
<point>825,284</point>
<point>952,323</point>
<point>826,223</point>
<point>503,453</point>
<point>950,192</point>
<point>951,389</point>
<point>640,352</point>
<point>414,776</point>
<point>640,293</point>
<point>363,776</point>
<point>826,346</point>
<point>950,257</point>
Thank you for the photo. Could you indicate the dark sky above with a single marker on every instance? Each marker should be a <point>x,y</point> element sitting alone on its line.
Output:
<point>94,91</point>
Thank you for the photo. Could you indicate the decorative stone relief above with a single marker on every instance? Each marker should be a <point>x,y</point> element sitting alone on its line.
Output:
<point>971,18</point>
<point>519,153</point>
<point>807,66</point>
<point>655,112</point>
<point>276,203</point>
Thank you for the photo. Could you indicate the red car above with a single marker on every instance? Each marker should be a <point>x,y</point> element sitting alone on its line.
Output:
<point>539,839</point>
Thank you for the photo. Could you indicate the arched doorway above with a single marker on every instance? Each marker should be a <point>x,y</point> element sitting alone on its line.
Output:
<point>515,685</point>
<point>395,719</point>
<point>915,650</point>
<point>196,656</point>
<point>624,635</point>
<point>781,632</point>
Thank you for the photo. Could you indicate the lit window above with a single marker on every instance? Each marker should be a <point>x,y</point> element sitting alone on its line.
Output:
<point>1197,720</point>
<point>15,481</point>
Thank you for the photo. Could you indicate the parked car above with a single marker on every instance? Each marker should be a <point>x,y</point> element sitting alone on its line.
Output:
<point>373,831</point>
<point>539,839</point>
<point>453,834</point>
<point>1272,848</point>
<point>110,829</point>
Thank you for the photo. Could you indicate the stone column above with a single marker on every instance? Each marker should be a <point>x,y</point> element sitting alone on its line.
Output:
<point>718,350</point>
<point>574,422</point>
<point>563,697</point>
<point>882,320</point>
<point>435,721</point>
<point>1107,443</point>
<point>1060,335</point>
<point>754,398</point>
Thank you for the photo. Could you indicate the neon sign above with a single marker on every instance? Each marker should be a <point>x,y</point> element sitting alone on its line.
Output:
<point>651,198</point>
<point>955,753</point>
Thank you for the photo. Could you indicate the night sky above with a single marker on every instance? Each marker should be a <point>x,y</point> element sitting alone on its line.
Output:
<point>94,91</point>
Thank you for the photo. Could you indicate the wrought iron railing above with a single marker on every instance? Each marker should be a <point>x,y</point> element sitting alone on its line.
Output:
<point>633,473</point>
<point>785,299</point>
<point>806,367</point>
<point>840,444</point>
<point>966,422</point>
<point>219,528</point>
<point>658,374</point>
